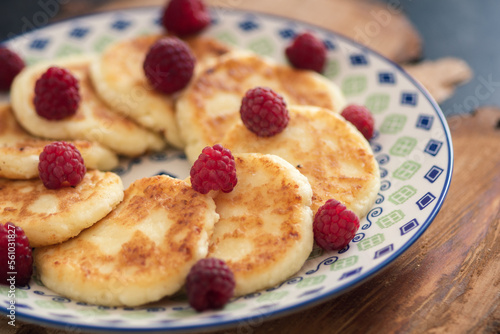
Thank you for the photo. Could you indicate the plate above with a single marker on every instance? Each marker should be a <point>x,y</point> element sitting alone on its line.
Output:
<point>412,145</point>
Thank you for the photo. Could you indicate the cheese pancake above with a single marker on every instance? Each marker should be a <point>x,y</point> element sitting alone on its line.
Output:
<point>265,229</point>
<point>210,105</point>
<point>93,120</point>
<point>328,150</point>
<point>139,253</point>
<point>51,216</point>
<point>119,78</point>
<point>19,151</point>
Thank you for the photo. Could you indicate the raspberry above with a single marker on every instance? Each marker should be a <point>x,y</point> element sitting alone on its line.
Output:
<point>210,284</point>
<point>61,165</point>
<point>361,118</point>
<point>15,256</point>
<point>214,169</point>
<point>56,94</point>
<point>169,65</point>
<point>185,17</point>
<point>307,52</point>
<point>264,112</point>
<point>10,65</point>
<point>334,226</point>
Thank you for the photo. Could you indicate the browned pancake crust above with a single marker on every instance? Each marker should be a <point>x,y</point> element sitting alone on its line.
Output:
<point>51,216</point>
<point>338,163</point>
<point>140,261</point>
<point>298,86</point>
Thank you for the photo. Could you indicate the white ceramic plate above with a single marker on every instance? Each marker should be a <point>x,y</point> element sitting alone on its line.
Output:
<point>412,146</point>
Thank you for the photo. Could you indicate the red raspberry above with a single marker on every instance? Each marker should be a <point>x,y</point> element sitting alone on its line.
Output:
<point>361,118</point>
<point>307,52</point>
<point>185,17</point>
<point>334,226</point>
<point>61,165</point>
<point>56,94</point>
<point>15,256</point>
<point>169,65</point>
<point>10,65</point>
<point>214,169</point>
<point>210,284</point>
<point>264,112</point>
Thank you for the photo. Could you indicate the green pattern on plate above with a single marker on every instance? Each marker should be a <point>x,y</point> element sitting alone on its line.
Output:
<point>344,263</point>
<point>390,219</point>
<point>234,306</point>
<point>18,294</point>
<point>370,242</point>
<point>262,46</point>
<point>50,304</point>
<point>139,315</point>
<point>311,281</point>
<point>93,312</point>
<point>377,103</point>
<point>406,170</point>
<point>403,146</point>
<point>393,124</point>
<point>272,296</point>
<point>102,43</point>
<point>68,50</point>
<point>332,69</point>
<point>189,312</point>
<point>402,195</point>
<point>227,37</point>
<point>354,85</point>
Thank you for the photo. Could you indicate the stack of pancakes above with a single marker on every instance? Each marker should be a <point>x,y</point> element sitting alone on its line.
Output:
<point>99,244</point>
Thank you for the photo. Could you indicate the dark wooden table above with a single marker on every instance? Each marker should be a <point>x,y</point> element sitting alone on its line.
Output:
<point>449,280</point>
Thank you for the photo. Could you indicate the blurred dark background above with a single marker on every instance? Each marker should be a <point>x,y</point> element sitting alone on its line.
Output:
<point>460,28</point>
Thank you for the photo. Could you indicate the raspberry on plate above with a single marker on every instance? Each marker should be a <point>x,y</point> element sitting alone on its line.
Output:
<point>334,225</point>
<point>10,66</point>
<point>307,52</point>
<point>16,261</point>
<point>361,118</point>
<point>57,94</point>
<point>264,112</point>
<point>210,284</point>
<point>185,17</point>
<point>215,169</point>
<point>61,165</point>
<point>169,65</point>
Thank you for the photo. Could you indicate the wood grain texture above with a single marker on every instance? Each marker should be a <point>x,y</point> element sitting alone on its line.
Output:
<point>449,280</point>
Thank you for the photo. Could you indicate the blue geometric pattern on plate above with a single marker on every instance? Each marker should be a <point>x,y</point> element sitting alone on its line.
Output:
<point>407,153</point>
<point>433,147</point>
<point>425,122</point>
<point>386,78</point>
<point>409,99</point>
<point>433,174</point>
<point>425,201</point>
<point>79,32</point>
<point>358,59</point>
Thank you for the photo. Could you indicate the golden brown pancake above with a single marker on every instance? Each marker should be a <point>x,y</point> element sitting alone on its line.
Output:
<point>210,105</point>
<point>328,150</point>
<point>52,216</point>
<point>120,81</point>
<point>265,229</point>
<point>93,121</point>
<point>19,151</point>
<point>141,252</point>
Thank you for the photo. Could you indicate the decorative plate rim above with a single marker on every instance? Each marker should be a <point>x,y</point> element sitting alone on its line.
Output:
<point>321,298</point>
